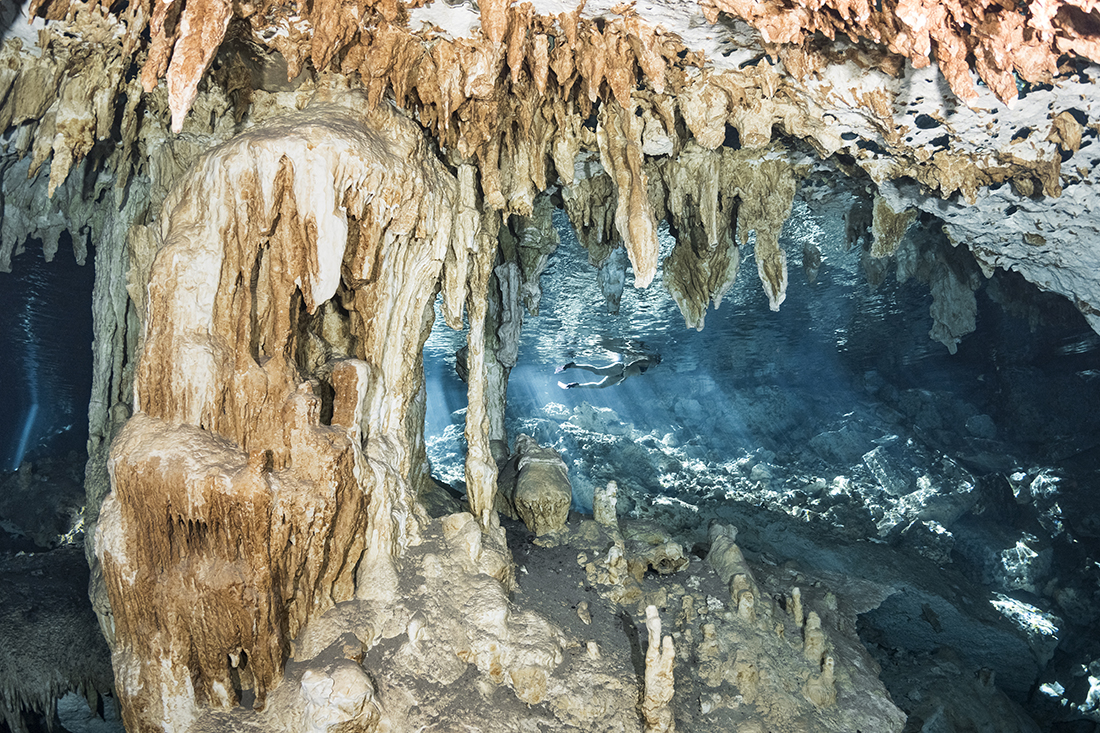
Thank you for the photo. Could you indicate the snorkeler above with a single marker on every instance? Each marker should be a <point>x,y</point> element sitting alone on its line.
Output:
<point>612,374</point>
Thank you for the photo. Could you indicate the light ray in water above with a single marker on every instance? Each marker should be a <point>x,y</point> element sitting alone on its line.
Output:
<point>756,400</point>
<point>29,337</point>
<point>46,362</point>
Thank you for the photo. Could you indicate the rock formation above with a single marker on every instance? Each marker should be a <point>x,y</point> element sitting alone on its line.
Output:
<point>276,193</point>
<point>874,109</point>
<point>534,486</point>
<point>275,451</point>
<point>52,642</point>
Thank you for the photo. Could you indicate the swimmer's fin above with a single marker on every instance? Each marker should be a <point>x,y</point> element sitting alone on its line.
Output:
<point>563,385</point>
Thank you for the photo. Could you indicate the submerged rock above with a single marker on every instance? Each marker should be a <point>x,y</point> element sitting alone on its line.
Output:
<point>533,485</point>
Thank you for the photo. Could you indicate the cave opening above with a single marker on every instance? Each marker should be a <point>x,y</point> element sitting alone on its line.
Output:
<point>837,344</point>
<point>834,428</point>
<point>47,365</point>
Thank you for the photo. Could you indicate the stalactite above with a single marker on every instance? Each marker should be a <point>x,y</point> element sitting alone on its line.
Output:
<point>590,204</point>
<point>612,277</point>
<point>709,191</point>
<point>811,261</point>
<point>510,322</point>
<point>1002,43</point>
<point>52,643</point>
<point>767,190</point>
<point>466,227</point>
<point>703,208</point>
<point>538,240</point>
<point>952,275</point>
<point>518,103</point>
<point>619,133</point>
<point>888,227</point>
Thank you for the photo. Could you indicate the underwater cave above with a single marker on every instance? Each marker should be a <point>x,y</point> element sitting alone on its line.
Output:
<point>385,366</point>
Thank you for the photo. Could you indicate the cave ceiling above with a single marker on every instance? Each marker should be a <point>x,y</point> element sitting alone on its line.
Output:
<point>983,114</point>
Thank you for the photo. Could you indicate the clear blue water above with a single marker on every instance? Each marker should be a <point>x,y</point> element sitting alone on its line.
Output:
<point>837,351</point>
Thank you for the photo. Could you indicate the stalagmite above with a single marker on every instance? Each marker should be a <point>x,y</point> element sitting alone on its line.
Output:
<point>604,505</point>
<point>729,562</point>
<point>820,689</point>
<point>813,639</point>
<point>342,697</point>
<point>659,686</point>
<point>534,487</point>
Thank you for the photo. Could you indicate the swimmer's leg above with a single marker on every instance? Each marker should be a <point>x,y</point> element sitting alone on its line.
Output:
<point>605,382</point>
<point>609,370</point>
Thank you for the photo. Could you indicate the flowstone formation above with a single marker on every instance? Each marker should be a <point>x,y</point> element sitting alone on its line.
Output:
<point>275,453</point>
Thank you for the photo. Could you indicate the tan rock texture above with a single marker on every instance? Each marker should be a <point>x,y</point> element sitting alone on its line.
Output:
<point>1004,41</point>
<point>534,487</point>
<point>276,445</point>
<point>517,97</point>
<point>711,663</point>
